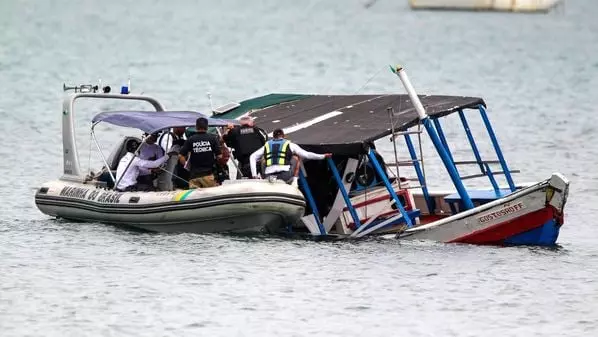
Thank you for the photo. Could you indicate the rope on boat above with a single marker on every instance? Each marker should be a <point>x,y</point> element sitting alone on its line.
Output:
<point>369,80</point>
<point>174,175</point>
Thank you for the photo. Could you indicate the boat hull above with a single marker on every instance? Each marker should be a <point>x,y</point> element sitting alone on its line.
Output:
<point>530,216</point>
<point>252,206</point>
<point>487,5</point>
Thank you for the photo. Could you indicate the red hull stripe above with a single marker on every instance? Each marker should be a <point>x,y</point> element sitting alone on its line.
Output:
<point>498,233</point>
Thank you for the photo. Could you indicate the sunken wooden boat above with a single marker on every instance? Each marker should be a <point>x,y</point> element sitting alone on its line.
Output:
<point>234,206</point>
<point>360,192</point>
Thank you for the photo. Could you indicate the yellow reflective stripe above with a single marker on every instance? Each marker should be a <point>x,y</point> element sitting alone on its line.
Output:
<point>282,153</point>
<point>266,154</point>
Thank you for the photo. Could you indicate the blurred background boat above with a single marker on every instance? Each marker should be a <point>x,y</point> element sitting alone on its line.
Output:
<point>489,5</point>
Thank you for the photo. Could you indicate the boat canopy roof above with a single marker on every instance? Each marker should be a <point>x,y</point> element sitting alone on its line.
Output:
<point>344,124</point>
<point>154,121</point>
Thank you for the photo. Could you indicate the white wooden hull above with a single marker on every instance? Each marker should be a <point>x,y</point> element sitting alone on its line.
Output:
<point>504,219</point>
<point>238,206</point>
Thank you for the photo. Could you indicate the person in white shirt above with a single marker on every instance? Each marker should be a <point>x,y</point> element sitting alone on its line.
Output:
<point>128,169</point>
<point>278,153</point>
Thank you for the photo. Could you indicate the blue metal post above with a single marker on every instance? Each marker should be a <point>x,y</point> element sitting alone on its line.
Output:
<point>391,190</point>
<point>501,159</point>
<point>442,138</point>
<point>448,164</point>
<point>311,201</point>
<point>420,174</point>
<point>341,188</point>
<point>474,147</point>
<point>492,180</point>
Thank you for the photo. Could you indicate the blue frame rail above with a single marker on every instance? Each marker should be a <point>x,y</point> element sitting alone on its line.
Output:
<point>492,180</point>
<point>474,147</point>
<point>448,164</point>
<point>501,158</point>
<point>388,185</point>
<point>443,138</point>
<point>311,201</point>
<point>341,188</point>
<point>420,175</point>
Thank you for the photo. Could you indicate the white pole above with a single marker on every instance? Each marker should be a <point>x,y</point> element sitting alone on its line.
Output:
<point>399,71</point>
<point>211,106</point>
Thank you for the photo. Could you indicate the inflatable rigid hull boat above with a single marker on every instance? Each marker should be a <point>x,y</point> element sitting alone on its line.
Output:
<point>239,206</point>
<point>235,206</point>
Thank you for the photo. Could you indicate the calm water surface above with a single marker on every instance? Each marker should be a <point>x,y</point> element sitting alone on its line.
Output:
<point>538,74</point>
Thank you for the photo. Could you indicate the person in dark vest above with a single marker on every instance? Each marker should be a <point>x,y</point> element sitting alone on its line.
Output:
<point>199,153</point>
<point>278,153</point>
<point>244,140</point>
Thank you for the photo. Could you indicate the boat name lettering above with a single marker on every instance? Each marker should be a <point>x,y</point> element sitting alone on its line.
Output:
<point>74,192</point>
<point>109,197</point>
<point>93,195</point>
<point>509,209</point>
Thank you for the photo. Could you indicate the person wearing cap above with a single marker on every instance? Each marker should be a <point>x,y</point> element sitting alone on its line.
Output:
<point>278,153</point>
<point>244,140</point>
<point>201,151</point>
<point>129,167</point>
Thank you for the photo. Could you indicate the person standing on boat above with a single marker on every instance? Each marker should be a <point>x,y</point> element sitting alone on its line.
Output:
<point>245,140</point>
<point>278,153</point>
<point>129,167</point>
<point>200,152</point>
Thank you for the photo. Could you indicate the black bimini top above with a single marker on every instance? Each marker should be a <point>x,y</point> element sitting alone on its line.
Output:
<point>346,124</point>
